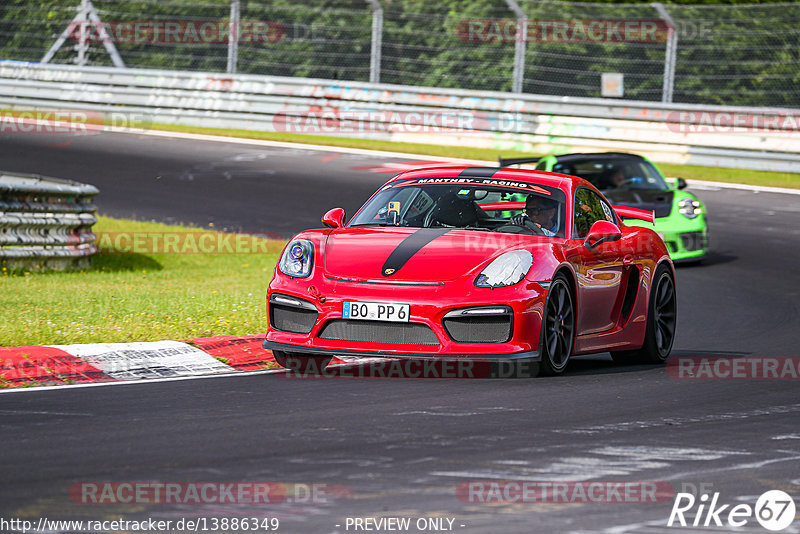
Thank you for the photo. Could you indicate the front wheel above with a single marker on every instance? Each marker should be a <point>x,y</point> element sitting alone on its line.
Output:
<point>662,314</point>
<point>558,332</point>
<point>301,363</point>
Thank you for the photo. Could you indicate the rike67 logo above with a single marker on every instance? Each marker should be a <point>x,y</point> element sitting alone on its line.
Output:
<point>774,510</point>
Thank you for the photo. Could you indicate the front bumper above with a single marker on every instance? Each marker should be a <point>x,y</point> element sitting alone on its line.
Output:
<point>534,355</point>
<point>686,239</point>
<point>429,304</point>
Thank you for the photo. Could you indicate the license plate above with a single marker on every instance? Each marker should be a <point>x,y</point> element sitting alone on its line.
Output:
<point>375,311</point>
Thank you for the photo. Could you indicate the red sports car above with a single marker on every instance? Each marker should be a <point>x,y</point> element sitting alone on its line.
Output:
<point>441,263</point>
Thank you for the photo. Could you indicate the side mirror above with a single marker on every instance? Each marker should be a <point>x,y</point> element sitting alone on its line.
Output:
<point>601,232</point>
<point>334,218</point>
<point>680,183</point>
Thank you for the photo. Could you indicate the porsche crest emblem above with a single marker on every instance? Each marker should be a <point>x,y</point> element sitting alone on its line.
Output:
<point>388,272</point>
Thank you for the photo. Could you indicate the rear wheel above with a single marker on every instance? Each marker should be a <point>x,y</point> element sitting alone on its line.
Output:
<point>301,363</point>
<point>558,332</point>
<point>662,315</point>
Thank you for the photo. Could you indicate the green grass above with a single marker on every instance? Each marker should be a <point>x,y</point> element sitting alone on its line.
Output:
<point>139,297</point>
<point>732,176</point>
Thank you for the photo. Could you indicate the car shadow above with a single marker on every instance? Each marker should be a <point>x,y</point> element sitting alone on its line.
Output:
<point>119,262</point>
<point>385,368</point>
<point>712,258</point>
<point>708,354</point>
<point>603,364</point>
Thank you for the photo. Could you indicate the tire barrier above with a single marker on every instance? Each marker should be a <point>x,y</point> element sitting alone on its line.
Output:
<point>45,223</point>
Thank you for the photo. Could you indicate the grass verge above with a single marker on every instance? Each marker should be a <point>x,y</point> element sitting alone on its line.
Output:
<point>128,297</point>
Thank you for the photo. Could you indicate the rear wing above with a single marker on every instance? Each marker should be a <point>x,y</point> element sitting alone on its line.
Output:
<point>626,212</point>
<point>506,162</point>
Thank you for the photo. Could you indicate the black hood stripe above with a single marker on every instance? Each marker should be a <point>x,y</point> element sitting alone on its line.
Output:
<point>409,247</point>
<point>478,172</point>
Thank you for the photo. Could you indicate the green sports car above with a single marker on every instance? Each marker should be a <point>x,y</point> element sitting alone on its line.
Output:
<point>631,180</point>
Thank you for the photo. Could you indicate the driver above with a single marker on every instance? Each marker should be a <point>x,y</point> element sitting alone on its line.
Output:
<point>541,212</point>
<point>624,176</point>
<point>618,178</point>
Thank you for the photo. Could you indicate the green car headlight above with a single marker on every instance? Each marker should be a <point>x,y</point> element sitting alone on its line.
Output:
<point>690,208</point>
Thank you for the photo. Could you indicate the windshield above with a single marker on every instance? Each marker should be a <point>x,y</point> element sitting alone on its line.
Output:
<point>607,174</point>
<point>474,204</point>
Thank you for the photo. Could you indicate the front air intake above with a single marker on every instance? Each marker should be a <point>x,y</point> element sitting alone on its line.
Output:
<point>290,314</point>
<point>693,241</point>
<point>491,324</point>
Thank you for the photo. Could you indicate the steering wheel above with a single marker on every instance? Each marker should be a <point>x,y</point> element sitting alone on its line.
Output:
<point>629,181</point>
<point>429,219</point>
<point>528,226</point>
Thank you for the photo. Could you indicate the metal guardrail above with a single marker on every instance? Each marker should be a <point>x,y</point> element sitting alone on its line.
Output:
<point>670,133</point>
<point>45,223</point>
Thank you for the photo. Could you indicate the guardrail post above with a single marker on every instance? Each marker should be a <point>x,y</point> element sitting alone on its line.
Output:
<point>519,46</point>
<point>670,56</point>
<point>233,36</point>
<point>377,41</point>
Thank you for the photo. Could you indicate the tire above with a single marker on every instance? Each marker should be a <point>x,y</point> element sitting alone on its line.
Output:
<point>301,363</point>
<point>558,328</point>
<point>662,316</point>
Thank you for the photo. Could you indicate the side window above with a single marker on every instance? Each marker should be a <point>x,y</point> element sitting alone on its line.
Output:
<point>589,208</point>
<point>541,166</point>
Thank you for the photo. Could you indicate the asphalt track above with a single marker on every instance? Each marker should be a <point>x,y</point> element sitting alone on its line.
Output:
<point>401,446</point>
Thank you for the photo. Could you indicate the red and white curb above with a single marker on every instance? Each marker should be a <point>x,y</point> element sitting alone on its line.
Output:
<point>121,362</point>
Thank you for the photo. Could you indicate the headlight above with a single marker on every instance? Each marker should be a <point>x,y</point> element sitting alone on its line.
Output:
<point>690,208</point>
<point>505,270</point>
<point>297,259</point>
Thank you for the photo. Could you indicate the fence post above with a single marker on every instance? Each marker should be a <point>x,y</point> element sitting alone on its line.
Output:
<point>86,13</point>
<point>519,46</point>
<point>233,36</point>
<point>83,47</point>
<point>377,41</point>
<point>670,55</point>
